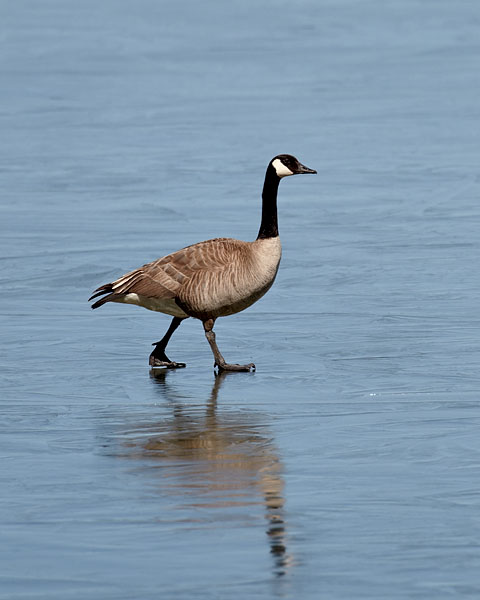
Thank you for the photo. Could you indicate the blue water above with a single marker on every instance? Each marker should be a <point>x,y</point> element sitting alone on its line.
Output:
<point>348,465</point>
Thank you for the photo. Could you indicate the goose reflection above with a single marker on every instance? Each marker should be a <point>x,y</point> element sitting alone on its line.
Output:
<point>216,460</point>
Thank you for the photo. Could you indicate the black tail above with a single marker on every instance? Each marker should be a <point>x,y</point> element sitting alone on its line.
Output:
<point>103,289</point>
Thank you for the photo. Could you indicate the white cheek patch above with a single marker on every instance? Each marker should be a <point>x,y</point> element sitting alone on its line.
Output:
<point>281,169</point>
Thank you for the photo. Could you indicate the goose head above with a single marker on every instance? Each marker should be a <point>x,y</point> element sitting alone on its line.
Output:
<point>286,164</point>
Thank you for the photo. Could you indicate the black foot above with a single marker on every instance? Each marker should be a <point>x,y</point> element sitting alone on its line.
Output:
<point>158,358</point>
<point>155,363</point>
<point>227,367</point>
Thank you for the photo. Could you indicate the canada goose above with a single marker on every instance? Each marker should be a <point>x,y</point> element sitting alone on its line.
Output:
<point>210,279</point>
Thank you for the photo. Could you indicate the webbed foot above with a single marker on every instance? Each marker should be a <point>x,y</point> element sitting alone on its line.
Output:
<point>158,359</point>
<point>223,366</point>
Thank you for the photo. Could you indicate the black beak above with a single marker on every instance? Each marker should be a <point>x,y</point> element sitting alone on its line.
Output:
<point>303,169</point>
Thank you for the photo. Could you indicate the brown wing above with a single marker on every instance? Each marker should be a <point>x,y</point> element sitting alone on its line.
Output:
<point>165,277</point>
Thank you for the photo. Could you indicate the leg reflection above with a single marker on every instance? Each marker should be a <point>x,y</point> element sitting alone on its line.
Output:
<point>214,459</point>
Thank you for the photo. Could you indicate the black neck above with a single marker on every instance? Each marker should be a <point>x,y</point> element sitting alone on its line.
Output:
<point>269,224</point>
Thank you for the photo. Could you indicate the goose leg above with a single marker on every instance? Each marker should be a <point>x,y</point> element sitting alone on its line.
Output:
<point>158,358</point>
<point>219,360</point>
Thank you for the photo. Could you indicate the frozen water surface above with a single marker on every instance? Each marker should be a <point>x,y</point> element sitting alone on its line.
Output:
<point>348,465</point>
